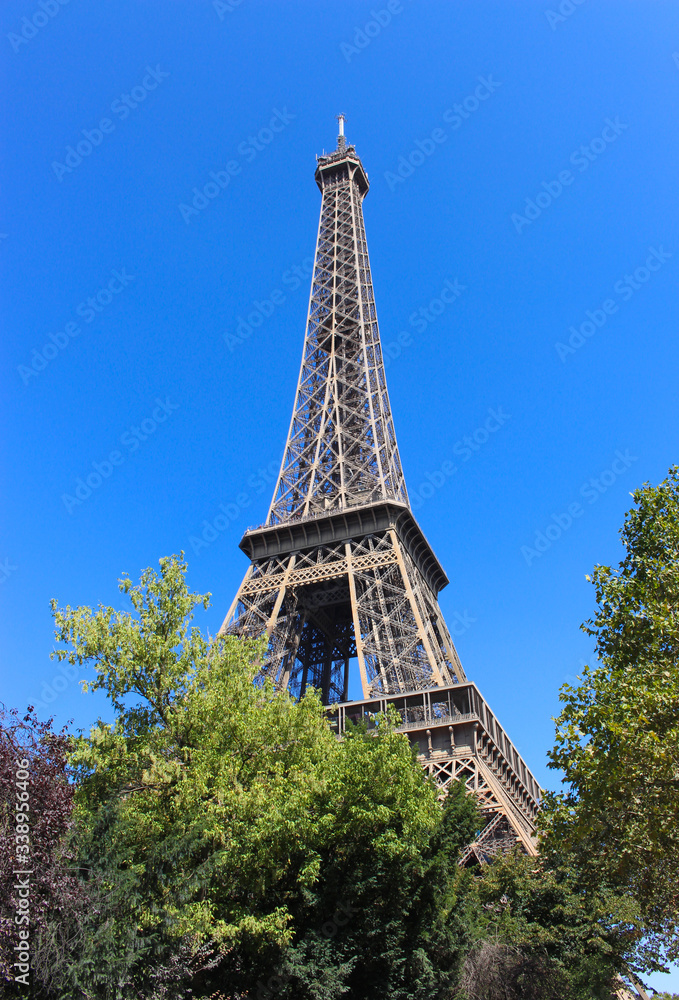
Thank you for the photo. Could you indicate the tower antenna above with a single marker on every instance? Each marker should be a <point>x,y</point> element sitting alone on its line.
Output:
<point>341,141</point>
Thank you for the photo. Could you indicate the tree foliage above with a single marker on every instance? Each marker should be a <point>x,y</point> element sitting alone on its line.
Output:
<point>541,933</point>
<point>617,739</point>
<point>217,840</point>
<point>56,895</point>
<point>228,824</point>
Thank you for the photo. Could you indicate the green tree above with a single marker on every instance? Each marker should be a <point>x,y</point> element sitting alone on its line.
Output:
<point>540,933</point>
<point>236,844</point>
<point>617,737</point>
<point>407,933</point>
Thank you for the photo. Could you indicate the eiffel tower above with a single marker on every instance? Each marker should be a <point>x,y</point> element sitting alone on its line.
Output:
<point>341,571</point>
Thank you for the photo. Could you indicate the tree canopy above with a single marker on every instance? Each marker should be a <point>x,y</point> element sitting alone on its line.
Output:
<point>617,738</point>
<point>228,823</point>
<point>36,799</point>
<point>216,840</point>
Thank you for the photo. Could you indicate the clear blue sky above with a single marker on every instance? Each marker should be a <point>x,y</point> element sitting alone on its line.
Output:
<point>534,230</point>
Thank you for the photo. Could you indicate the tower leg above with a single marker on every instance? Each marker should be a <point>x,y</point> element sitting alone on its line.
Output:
<point>234,604</point>
<point>436,673</point>
<point>360,654</point>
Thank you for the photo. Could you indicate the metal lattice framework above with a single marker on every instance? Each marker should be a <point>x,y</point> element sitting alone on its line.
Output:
<point>325,593</point>
<point>341,445</point>
<point>361,597</point>
<point>341,570</point>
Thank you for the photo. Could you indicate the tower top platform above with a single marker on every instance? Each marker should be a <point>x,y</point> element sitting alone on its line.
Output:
<point>343,162</point>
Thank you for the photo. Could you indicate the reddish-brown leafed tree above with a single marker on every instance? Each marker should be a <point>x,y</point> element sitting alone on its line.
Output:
<point>55,893</point>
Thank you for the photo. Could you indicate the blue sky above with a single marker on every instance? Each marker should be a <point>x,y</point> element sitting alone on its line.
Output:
<point>546,198</point>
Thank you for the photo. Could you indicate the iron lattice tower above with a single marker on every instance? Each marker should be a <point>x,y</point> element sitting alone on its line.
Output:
<point>341,570</point>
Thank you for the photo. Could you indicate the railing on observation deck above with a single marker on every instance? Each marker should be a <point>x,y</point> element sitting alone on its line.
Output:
<point>339,508</point>
<point>453,705</point>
